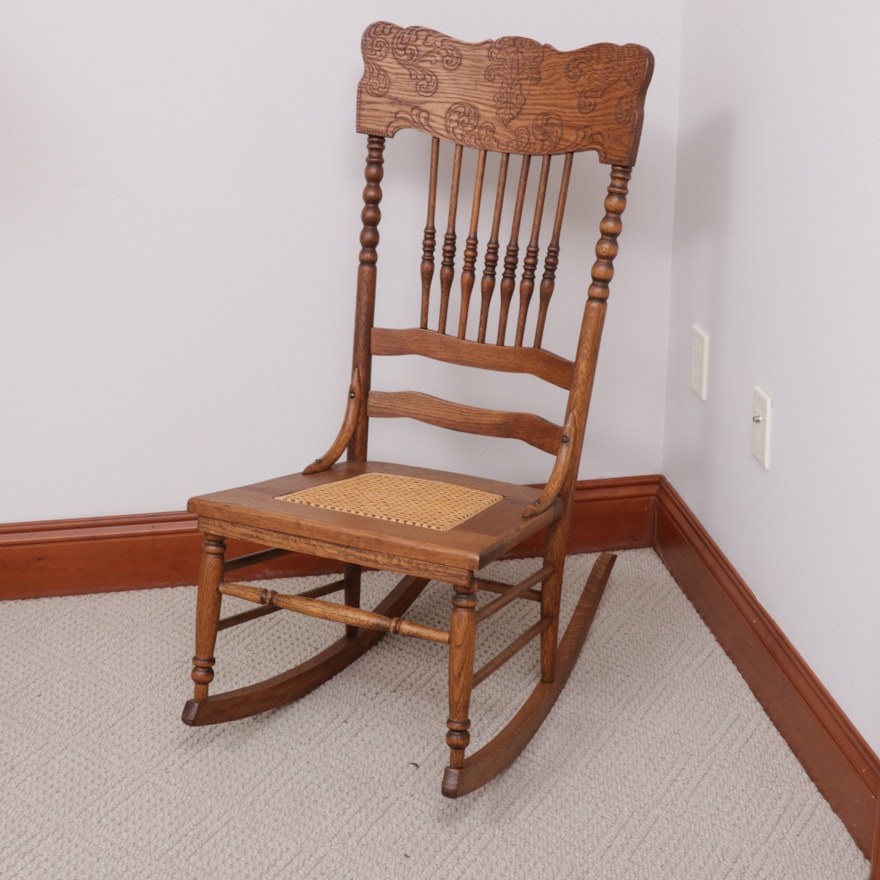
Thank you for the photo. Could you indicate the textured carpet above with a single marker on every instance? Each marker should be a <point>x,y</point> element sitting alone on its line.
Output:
<point>656,762</point>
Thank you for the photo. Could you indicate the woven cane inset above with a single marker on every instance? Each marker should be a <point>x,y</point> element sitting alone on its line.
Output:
<point>428,504</point>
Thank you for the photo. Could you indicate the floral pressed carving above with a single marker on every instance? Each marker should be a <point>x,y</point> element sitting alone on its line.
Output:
<point>482,94</point>
<point>415,49</point>
<point>515,65</point>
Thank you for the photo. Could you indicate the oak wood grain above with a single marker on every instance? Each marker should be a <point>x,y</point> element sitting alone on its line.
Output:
<point>531,429</point>
<point>450,349</point>
<point>479,93</point>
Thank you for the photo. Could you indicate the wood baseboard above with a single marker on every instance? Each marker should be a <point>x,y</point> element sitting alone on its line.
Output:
<point>67,557</point>
<point>105,554</point>
<point>831,750</point>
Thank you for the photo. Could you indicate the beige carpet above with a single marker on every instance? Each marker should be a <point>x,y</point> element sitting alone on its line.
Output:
<point>656,764</point>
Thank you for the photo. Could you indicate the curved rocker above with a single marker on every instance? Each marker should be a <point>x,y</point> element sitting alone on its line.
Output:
<point>298,681</point>
<point>498,753</point>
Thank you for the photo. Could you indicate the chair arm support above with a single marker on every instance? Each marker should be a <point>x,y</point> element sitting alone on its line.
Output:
<point>558,474</point>
<point>349,422</point>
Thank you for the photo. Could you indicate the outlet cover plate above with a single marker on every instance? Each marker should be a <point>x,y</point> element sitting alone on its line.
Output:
<point>762,407</point>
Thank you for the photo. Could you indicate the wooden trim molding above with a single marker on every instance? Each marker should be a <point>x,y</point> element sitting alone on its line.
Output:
<point>66,557</point>
<point>69,557</point>
<point>105,554</point>
<point>838,760</point>
<point>610,514</point>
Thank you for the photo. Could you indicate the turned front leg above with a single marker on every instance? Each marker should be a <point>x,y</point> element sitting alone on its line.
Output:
<point>462,633</point>
<point>207,613</point>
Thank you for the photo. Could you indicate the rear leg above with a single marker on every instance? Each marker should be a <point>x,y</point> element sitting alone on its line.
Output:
<point>208,613</point>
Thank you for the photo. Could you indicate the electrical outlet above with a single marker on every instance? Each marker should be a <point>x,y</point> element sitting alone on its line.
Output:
<point>700,361</point>
<point>762,405</point>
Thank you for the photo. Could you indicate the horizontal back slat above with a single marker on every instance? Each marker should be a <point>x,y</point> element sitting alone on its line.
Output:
<point>428,343</point>
<point>530,428</point>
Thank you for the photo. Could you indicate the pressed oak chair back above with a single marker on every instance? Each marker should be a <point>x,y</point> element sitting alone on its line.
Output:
<point>505,120</point>
<point>533,106</point>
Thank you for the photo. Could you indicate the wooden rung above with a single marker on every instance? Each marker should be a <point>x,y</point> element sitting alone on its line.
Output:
<point>245,616</point>
<point>495,587</point>
<point>336,612</point>
<point>509,592</point>
<point>513,648</point>
<point>263,610</point>
<point>325,590</point>
<point>254,558</point>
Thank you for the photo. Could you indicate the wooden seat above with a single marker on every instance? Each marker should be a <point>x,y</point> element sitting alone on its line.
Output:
<point>523,110</point>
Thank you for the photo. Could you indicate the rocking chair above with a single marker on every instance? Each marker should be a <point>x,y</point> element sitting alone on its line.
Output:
<point>507,102</point>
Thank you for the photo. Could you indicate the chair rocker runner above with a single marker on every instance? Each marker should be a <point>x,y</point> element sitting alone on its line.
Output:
<point>519,107</point>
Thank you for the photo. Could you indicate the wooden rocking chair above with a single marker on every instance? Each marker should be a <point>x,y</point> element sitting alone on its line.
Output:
<point>524,102</point>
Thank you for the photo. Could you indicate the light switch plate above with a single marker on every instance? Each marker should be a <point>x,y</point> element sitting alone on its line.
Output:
<point>700,361</point>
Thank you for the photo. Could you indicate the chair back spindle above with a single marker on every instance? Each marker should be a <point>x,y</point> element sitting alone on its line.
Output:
<point>429,242</point>
<point>525,100</point>
<point>511,254</point>
<point>551,260</point>
<point>468,272</point>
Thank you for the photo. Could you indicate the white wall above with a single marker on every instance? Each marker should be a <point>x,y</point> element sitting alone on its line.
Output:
<point>177,277</point>
<point>170,261</point>
<point>776,239</point>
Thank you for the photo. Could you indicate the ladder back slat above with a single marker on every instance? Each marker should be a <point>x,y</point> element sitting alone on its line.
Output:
<point>466,353</point>
<point>531,429</point>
